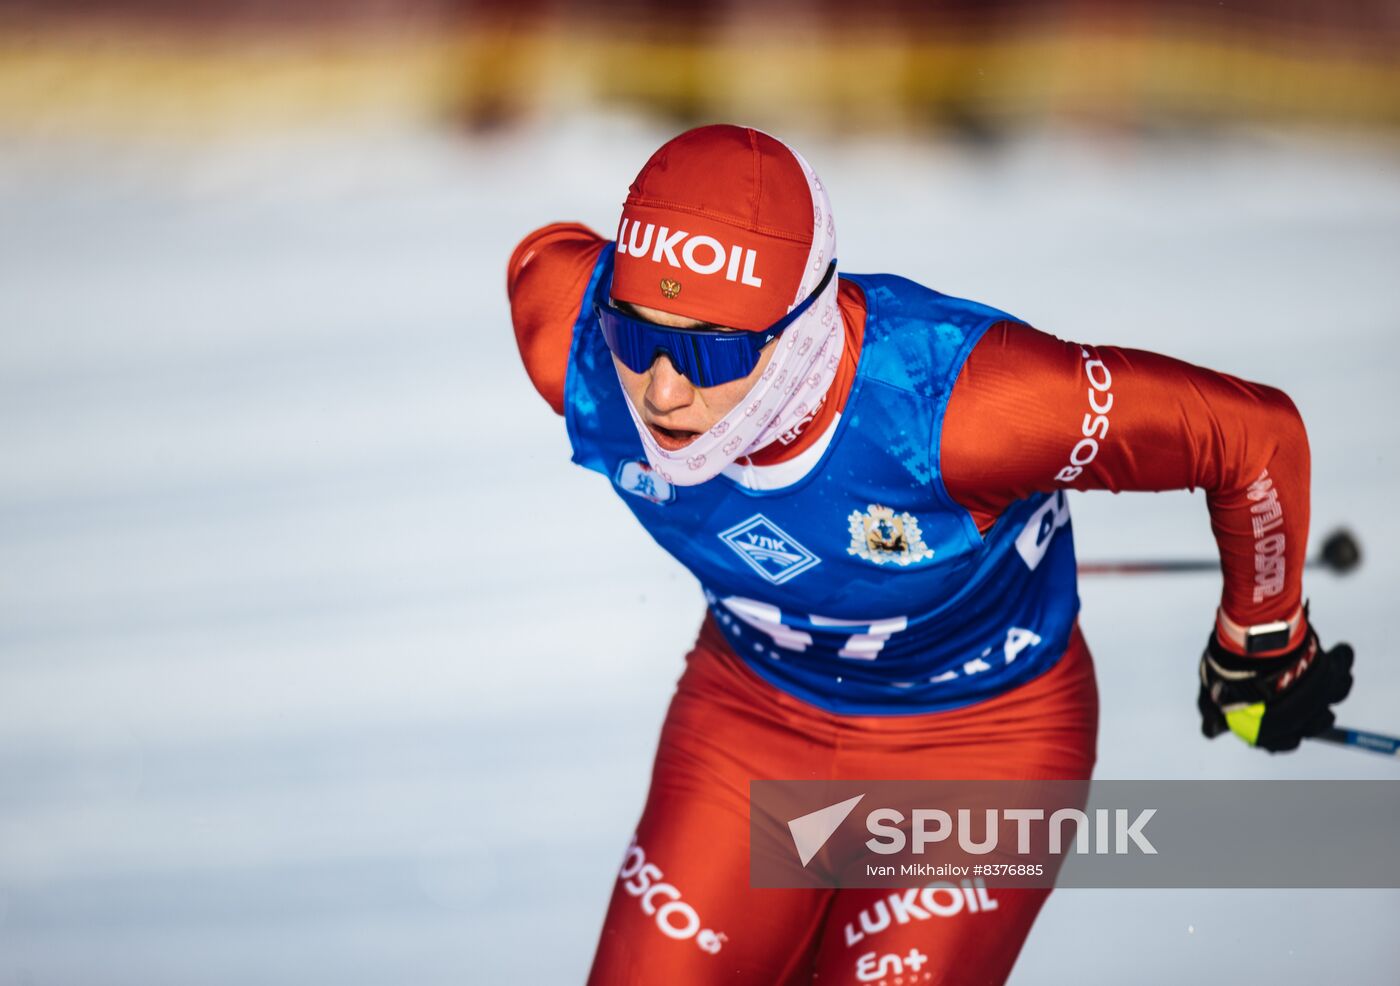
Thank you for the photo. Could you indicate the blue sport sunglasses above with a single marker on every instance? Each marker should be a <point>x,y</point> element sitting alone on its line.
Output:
<point>705,357</point>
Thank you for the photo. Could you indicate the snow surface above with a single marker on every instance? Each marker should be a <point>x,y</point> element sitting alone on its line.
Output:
<point>319,662</point>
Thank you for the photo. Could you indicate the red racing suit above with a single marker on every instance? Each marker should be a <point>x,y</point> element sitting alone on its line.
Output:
<point>1022,419</point>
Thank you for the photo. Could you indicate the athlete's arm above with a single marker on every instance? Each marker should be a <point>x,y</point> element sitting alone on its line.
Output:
<point>545,281</point>
<point>1032,413</point>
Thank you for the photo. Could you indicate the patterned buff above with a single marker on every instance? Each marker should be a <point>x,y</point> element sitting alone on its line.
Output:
<point>729,225</point>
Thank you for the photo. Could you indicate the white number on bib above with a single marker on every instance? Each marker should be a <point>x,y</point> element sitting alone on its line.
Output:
<point>864,645</point>
<point>1034,539</point>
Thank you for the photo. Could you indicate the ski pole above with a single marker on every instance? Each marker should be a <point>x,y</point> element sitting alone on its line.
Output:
<point>1339,554</point>
<point>1388,746</point>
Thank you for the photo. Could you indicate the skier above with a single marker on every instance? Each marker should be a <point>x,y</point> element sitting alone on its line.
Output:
<point>868,480</point>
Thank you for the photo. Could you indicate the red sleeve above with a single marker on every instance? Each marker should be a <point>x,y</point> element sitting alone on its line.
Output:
<point>545,281</point>
<point>1032,413</point>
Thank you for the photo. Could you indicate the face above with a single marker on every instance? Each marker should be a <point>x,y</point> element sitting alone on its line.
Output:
<point>674,410</point>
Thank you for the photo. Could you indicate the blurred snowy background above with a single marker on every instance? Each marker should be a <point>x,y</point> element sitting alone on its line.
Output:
<point>320,663</point>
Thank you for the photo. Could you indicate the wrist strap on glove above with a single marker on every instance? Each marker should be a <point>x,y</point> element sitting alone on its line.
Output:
<point>1272,702</point>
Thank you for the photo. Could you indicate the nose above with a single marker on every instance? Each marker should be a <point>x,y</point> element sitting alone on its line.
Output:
<point>667,389</point>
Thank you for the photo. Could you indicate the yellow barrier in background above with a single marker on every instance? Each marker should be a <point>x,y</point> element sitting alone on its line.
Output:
<point>67,79</point>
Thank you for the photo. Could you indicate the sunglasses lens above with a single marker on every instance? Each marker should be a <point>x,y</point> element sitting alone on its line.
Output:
<point>625,341</point>
<point>704,359</point>
<point>724,363</point>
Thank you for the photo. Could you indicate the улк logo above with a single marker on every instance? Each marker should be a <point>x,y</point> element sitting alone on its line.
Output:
<point>769,550</point>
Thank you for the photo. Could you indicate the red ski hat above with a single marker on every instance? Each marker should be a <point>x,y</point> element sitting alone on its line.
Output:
<point>719,226</point>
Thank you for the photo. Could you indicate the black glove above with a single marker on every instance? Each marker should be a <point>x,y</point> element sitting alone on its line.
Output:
<point>1273,702</point>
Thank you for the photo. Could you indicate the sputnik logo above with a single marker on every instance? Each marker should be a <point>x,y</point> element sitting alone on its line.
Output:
<point>811,831</point>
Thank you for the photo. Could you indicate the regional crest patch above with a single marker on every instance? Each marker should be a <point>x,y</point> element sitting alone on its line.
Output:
<point>640,479</point>
<point>880,535</point>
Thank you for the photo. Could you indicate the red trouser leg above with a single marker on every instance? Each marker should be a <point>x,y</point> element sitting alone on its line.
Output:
<point>721,729</point>
<point>943,933</point>
<point>682,912</point>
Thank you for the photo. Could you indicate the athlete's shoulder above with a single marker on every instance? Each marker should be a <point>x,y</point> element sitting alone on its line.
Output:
<point>558,248</point>
<point>545,280</point>
<point>900,294</point>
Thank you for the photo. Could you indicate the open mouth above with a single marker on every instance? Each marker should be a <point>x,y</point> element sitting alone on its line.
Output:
<point>671,439</point>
